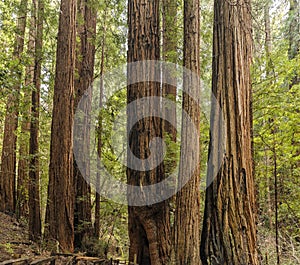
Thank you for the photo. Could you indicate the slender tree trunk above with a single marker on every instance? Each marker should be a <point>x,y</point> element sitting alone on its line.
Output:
<point>149,226</point>
<point>187,217</point>
<point>294,29</point>
<point>23,164</point>
<point>99,143</point>
<point>169,49</point>
<point>8,158</point>
<point>60,206</point>
<point>276,206</point>
<point>170,54</point>
<point>229,229</point>
<point>269,71</point>
<point>34,172</point>
<point>86,31</point>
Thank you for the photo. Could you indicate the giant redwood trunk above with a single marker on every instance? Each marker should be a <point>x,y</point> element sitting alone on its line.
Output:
<point>8,157</point>
<point>60,206</point>
<point>229,229</point>
<point>149,226</point>
<point>86,30</point>
<point>187,217</point>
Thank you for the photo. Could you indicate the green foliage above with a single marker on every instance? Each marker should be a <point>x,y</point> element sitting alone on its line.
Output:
<point>94,247</point>
<point>276,101</point>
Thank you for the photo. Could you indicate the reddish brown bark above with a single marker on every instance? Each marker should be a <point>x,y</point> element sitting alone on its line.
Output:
<point>35,226</point>
<point>229,230</point>
<point>86,30</point>
<point>23,164</point>
<point>149,226</point>
<point>60,206</point>
<point>8,158</point>
<point>187,217</point>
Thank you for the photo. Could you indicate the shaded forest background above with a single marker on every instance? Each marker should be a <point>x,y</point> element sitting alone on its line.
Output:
<point>276,105</point>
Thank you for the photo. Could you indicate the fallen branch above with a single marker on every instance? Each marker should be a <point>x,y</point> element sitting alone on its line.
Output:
<point>21,261</point>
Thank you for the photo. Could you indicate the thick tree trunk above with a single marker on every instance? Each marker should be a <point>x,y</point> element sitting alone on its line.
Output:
<point>187,217</point>
<point>60,206</point>
<point>149,226</point>
<point>8,158</point>
<point>34,172</point>
<point>229,230</point>
<point>85,58</point>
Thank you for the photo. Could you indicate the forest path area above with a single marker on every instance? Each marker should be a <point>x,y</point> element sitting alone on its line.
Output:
<point>14,246</point>
<point>14,241</point>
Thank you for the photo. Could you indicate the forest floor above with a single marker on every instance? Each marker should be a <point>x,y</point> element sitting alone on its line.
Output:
<point>14,244</point>
<point>14,241</point>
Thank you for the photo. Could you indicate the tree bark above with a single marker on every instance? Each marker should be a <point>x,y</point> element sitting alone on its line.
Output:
<point>294,29</point>
<point>169,50</point>
<point>85,59</point>
<point>229,229</point>
<point>99,142</point>
<point>187,217</point>
<point>22,206</point>
<point>149,226</point>
<point>60,206</point>
<point>34,170</point>
<point>170,54</point>
<point>8,158</point>
<point>269,71</point>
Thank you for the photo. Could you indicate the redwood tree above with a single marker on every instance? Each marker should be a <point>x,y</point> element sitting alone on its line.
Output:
<point>34,170</point>
<point>229,229</point>
<point>8,157</point>
<point>187,217</point>
<point>23,163</point>
<point>149,226</point>
<point>85,57</point>
<point>60,205</point>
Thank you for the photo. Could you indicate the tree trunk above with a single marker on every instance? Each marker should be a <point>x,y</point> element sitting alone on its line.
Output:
<point>23,164</point>
<point>169,49</point>
<point>294,29</point>
<point>170,54</point>
<point>187,217</point>
<point>86,30</point>
<point>269,71</point>
<point>149,226</point>
<point>60,206</point>
<point>8,158</point>
<point>34,172</point>
<point>99,142</point>
<point>229,229</point>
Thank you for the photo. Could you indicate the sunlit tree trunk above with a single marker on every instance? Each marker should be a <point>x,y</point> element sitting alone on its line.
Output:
<point>8,158</point>
<point>269,71</point>
<point>60,206</point>
<point>23,163</point>
<point>100,141</point>
<point>229,229</point>
<point>187,217</point>
<point>34,168</point>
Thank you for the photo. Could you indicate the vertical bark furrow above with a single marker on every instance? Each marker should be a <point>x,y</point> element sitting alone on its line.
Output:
<point>230,203</point>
